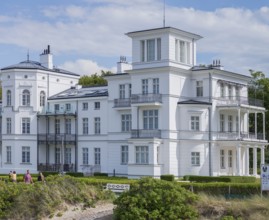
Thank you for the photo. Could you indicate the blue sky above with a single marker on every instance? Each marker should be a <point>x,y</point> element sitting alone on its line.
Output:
<point>89,35</point>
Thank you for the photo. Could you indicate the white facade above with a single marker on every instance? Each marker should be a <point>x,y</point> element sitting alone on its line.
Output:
<point>163,115</point>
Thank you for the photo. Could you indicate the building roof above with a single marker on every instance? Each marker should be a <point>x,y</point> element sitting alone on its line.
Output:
<point>74,92</point>
<point>195,36</point>
<point>193,102</point>
<point>29,64</point>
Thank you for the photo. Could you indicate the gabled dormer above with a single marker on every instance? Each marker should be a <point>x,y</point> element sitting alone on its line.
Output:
<point>161,47</point>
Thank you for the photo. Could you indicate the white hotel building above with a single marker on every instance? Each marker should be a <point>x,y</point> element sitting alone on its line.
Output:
<point>160,115</point>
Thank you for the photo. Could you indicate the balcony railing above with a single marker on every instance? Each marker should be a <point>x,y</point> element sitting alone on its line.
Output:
<point>56,167</point>
<point>57,112</point>
<point>146,134</point>
<point>146,98</point>
<point>237,100</point>
<point>122,103</point>
<point>57,138</point>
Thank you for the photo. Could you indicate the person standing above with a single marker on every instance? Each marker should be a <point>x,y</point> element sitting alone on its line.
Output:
<point>41,177</point>
<point>14,177</point>
<point>28,178</point>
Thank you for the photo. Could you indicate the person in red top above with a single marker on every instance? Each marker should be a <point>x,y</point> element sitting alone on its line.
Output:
<point>28,178</point>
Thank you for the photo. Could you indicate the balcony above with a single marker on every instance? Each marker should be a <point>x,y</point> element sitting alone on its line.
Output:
<point>146,134</point>
<point>238,100</point>
<point>146,98</point>
<point>121,103</point>
<point>57,138</point>
<point>49,112</point>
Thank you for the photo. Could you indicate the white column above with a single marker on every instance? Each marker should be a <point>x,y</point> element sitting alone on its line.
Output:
<point>255,161</point>
<point>248,123</point>
<point>263,123</point>
<point>239,123</point>
<point>262,155</point>
<point>247,160</point>
<point>255,124</point>
<point>238,160</point>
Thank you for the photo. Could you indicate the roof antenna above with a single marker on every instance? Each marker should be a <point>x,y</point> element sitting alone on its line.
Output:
<point>163,13</point>
<point>28,55</point>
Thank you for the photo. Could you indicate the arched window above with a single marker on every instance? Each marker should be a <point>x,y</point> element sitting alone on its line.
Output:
<point>25,97</point>
<point>42,98</point>
<point>8,98</point>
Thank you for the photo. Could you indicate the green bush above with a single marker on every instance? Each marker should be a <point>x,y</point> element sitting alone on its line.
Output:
<point>225,179</point>
<point>100,174</point>
<point>75,174</point>
<point>155,199</point>
<point>168,177</point>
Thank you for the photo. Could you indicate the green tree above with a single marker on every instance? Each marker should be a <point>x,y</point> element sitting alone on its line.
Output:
<point>259,89</point>
<point>155,199</point>
<point>95,79</point>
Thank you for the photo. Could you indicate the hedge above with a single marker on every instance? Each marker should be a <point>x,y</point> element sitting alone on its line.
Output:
<point>225,179</point>
<point>168,177</point>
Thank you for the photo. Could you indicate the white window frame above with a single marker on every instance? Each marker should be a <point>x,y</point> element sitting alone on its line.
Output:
<point>42,98</point>
<point>57,155</point>
<point>68,107</point>
<point>182,51</point>
<point>195,123</point>
<point>222,90</point>
<point>122,91</point>
<point>230,92</point>
<point>97,156</point>
<point>97,125</point>
<point>85,126</point>
<point>97,105</point>
<point>126,122</point>
<point>151,119</point>
<point>230,123</point>
<point>124,154</point>
<point>26,153</point>
<point>57,126</point>
<point>199,88</point>
<point>25,126</point>
<point>85,106</point>
<point>222,123</point>
<point>8,121</point>
<point>145,86</point>
<point>230,158</point>
<point>222,159</point>
<point>9,98</point>
<point>68,125</point>
<point>8,154</point>
<point>195,158</point>
<point>85,156</point>
<point>68,155</point>
<point>26,97</point>
<point>156,86</point>
<point>141,154</point>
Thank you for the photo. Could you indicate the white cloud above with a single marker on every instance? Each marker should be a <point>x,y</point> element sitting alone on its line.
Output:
<point>84,67</point>
<point>237,36</point>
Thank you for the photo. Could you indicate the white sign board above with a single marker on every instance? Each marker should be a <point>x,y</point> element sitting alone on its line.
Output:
<point>265,177</point>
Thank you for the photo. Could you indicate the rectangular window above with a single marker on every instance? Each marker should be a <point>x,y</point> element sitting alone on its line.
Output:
<point>124,154</point>
<point>57,126</point>
<point>199,88</point>
<point>230,123</point>
<point>141,154</point>
<point>230,158</point>
<point>150,119</point>
<point>144,86</point>
<point>182,51</point>
<point>237,93</point>
<point>57,155</point>
<point>195,123</point>
<point>97,125</point>
<point>222,123</point>
<point>130,90</point>
<point>25,125</point>
<point>156,86</point>
<point>222,90</point>
<point>85,126</point>
<point>8,125</point>
<point>159,48</point>
<point>230,92</point>
<point>126,122</point>
<point>151,50</point>
<point>68,107</point>
<point>142,49</point>
<point>237,123</point>
<point>122,91</point>
<point>96,105</point>
<point>8,149</point>
<point>25,154</point>
<point>85,106</point>
<point>67,156</point>
<point>97,156</point>
<point>68,125</point>
<point>182,54</point>
<point>195,158</point>
<point>85,156</point>
<point>222,159</point>
<point>57,107</point>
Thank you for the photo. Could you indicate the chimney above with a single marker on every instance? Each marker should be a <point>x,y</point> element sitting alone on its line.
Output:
<point>46,58</point>
<point>217,65</point>
<point>123,65</point>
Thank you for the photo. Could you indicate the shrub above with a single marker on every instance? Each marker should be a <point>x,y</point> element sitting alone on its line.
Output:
<point>75,174</point>
<point>168,177</point>
<point>100,174</point>
<point>231,179</point>
<point>155,199</point>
